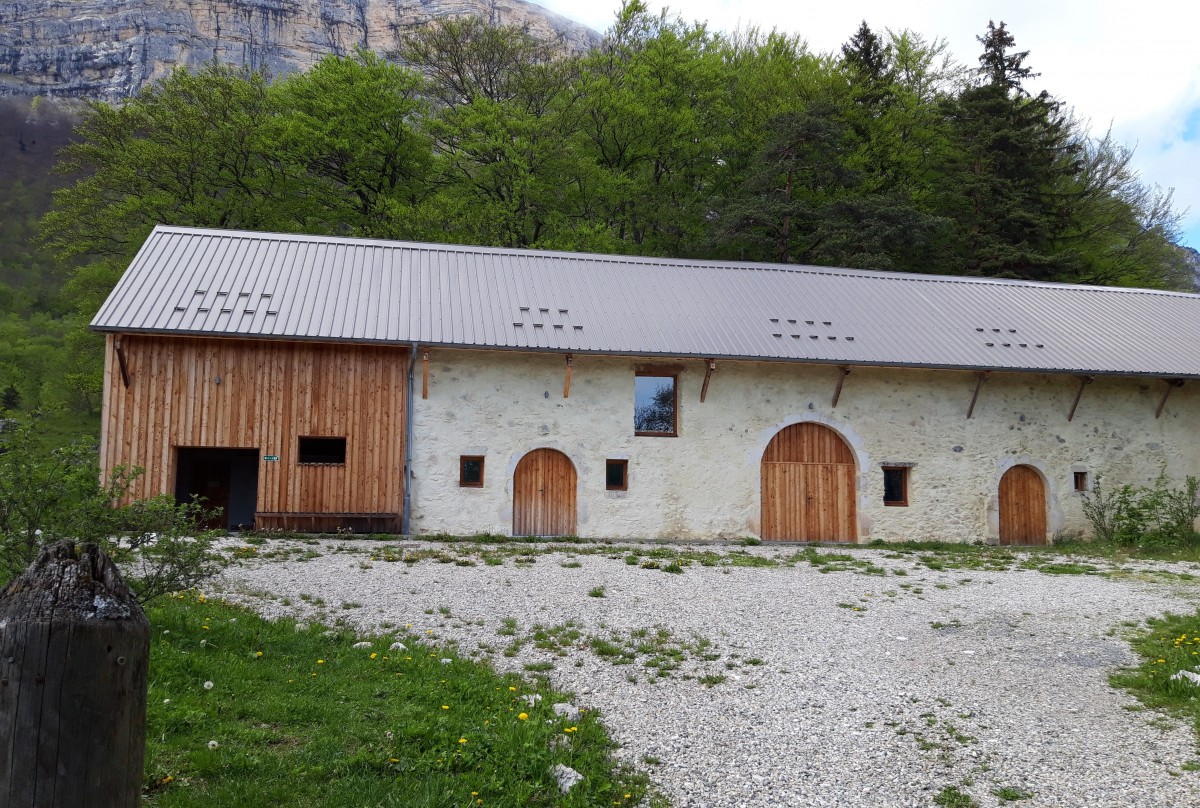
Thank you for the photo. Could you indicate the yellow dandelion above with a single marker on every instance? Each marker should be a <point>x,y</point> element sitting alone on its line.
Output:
<point>511,688</point>
<point>462,740</point>
<point>523,716</point>
<point>258,653</point>
<point>445,706</point>
<point>393,760</point>
<point>373,655</point>
<point>320,662</point>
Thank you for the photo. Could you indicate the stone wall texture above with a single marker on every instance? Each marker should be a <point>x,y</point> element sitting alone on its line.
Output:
<point>110,49</point>
<point>704,484</point>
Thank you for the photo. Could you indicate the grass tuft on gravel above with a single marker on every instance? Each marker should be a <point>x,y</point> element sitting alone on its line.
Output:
<point>1167,645</point>
<point>243,711</point>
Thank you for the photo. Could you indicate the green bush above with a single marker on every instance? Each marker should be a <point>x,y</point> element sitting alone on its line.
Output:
<point>1139,516</point>
<point>47,495</point>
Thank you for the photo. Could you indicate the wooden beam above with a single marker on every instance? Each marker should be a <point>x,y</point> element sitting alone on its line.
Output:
<point>1162,402</point>
<point>121,361</point>
<point>837,393</point>
<point>709,369</point>
<point>567,381</point>
<point>981,378</point>
<point>424,374</point>
<point>1084,381</point>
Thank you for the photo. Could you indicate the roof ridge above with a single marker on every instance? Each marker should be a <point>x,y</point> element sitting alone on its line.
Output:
<point>698,263</point>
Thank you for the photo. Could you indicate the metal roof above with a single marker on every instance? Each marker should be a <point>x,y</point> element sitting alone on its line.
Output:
<point>229,283</point>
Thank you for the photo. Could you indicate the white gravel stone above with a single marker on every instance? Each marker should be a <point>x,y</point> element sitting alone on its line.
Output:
<point>567,777</point>
<point>363,644</point>
<point>835,710</point>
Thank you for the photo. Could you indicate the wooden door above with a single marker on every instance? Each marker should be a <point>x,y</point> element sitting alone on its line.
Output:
<point>1022,506</point>
<point>808,486</point>
<point>544,495</point>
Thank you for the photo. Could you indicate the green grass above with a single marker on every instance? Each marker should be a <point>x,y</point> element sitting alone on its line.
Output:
<point>1167,645</point>
<point>953,797</point>
<point>315,722</point>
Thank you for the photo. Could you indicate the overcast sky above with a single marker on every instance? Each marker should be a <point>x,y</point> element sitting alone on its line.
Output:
<point>1132,65</point>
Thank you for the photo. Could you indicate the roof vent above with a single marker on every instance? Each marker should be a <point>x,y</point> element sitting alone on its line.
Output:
<point>181,308</point>
<point>199,292</point>
<point>849,339</point>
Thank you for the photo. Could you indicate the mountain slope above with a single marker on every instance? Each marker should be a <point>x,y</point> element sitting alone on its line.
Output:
<point>110,49</point>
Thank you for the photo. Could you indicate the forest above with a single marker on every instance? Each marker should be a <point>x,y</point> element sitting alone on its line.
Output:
<point>668,140</point>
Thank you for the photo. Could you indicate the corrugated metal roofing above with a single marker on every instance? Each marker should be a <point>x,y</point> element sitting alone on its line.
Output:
<point>231,283</point>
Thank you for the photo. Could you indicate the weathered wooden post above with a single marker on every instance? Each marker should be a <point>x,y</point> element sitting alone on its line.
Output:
<point>74,651</point>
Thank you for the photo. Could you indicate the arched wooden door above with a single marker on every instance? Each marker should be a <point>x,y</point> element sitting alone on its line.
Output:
<point>544,495</point>
<point>1022,506</point>
<point>808,486</point>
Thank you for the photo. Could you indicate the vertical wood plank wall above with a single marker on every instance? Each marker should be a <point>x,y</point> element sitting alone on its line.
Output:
<point>544,484</point>
<point>270,394</point>
<point>1022,506</point>
<point>808,486</point>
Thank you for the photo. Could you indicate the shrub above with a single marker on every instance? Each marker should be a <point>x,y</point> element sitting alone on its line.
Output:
<point>1157,516</point>
<point>49,495</point>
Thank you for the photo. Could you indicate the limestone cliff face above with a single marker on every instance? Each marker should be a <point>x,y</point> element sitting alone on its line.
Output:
<point>109,49</point>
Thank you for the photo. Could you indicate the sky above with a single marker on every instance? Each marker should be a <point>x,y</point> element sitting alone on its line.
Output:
<point>1131,66</point>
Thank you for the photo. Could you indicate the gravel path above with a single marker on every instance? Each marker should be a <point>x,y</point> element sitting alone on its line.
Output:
<point>841,688</point>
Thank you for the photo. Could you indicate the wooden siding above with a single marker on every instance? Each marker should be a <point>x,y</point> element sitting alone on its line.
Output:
<point>544,494</point>
<point>270,394</point>
<point>808,443</point>
<point>808,486</point>
<point>1022,506</point>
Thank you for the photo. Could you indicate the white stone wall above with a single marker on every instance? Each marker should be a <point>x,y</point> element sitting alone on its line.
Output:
<point>705,483</point>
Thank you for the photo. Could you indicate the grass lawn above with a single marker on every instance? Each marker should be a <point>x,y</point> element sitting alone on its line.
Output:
<point>1170,644</point>
<point>248,712</point>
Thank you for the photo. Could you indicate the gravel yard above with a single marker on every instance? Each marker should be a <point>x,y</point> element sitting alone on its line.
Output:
<point>842,686</point>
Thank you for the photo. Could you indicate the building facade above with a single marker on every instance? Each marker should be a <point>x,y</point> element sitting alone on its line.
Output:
<point>321,383</point>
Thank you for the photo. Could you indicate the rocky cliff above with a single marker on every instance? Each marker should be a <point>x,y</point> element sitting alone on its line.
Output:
<point>109,49</point>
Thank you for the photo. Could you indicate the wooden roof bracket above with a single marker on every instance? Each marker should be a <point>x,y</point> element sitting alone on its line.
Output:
<point>710,367</point>
<point>124,364</point>
<point>424,374</point>
<point>567,380</point>
<point>1084,381</point>
<point>1162,402</point>
<point>981,377</point>
<point>837,393</point>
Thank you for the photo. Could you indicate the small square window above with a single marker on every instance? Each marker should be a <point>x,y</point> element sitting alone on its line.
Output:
<point>655,404</point>
<point>616,475</point>
<point>1081,481</point>
<point>895,486</point>
<point>470,471</point>
<point>322,451</point>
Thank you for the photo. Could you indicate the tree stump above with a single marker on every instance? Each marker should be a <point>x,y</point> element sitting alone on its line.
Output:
<point>74,652</point>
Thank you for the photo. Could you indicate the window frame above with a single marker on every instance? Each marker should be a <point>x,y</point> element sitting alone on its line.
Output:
<point>300,461</point>
<point>1080,481</point>
<point>624,464</point>
<point>671,373</point>
<point>463,460</point>
<point>904,485</point>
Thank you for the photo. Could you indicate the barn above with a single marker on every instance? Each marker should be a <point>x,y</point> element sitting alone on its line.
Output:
<point>321,383</point>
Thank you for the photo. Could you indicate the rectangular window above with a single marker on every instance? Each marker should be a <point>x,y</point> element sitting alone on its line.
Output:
<point>323,451</point>
<point>1081,481</point>
<point>895,486</point>
<point>470,471</point>
<point>616,475</point>
<point>655,404</point>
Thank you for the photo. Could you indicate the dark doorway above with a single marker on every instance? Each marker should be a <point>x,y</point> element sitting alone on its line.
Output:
<point>225,478</point>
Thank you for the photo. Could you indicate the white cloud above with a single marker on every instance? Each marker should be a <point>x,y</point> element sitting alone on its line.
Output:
<point>1134,65</point>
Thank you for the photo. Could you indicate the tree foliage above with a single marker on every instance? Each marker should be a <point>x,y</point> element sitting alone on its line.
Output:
<point>51,494</point>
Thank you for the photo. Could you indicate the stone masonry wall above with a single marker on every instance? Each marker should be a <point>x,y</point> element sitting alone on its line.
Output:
<point>705,483</point>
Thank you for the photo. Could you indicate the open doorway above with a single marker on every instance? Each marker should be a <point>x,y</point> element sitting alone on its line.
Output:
<point>225,478</point>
